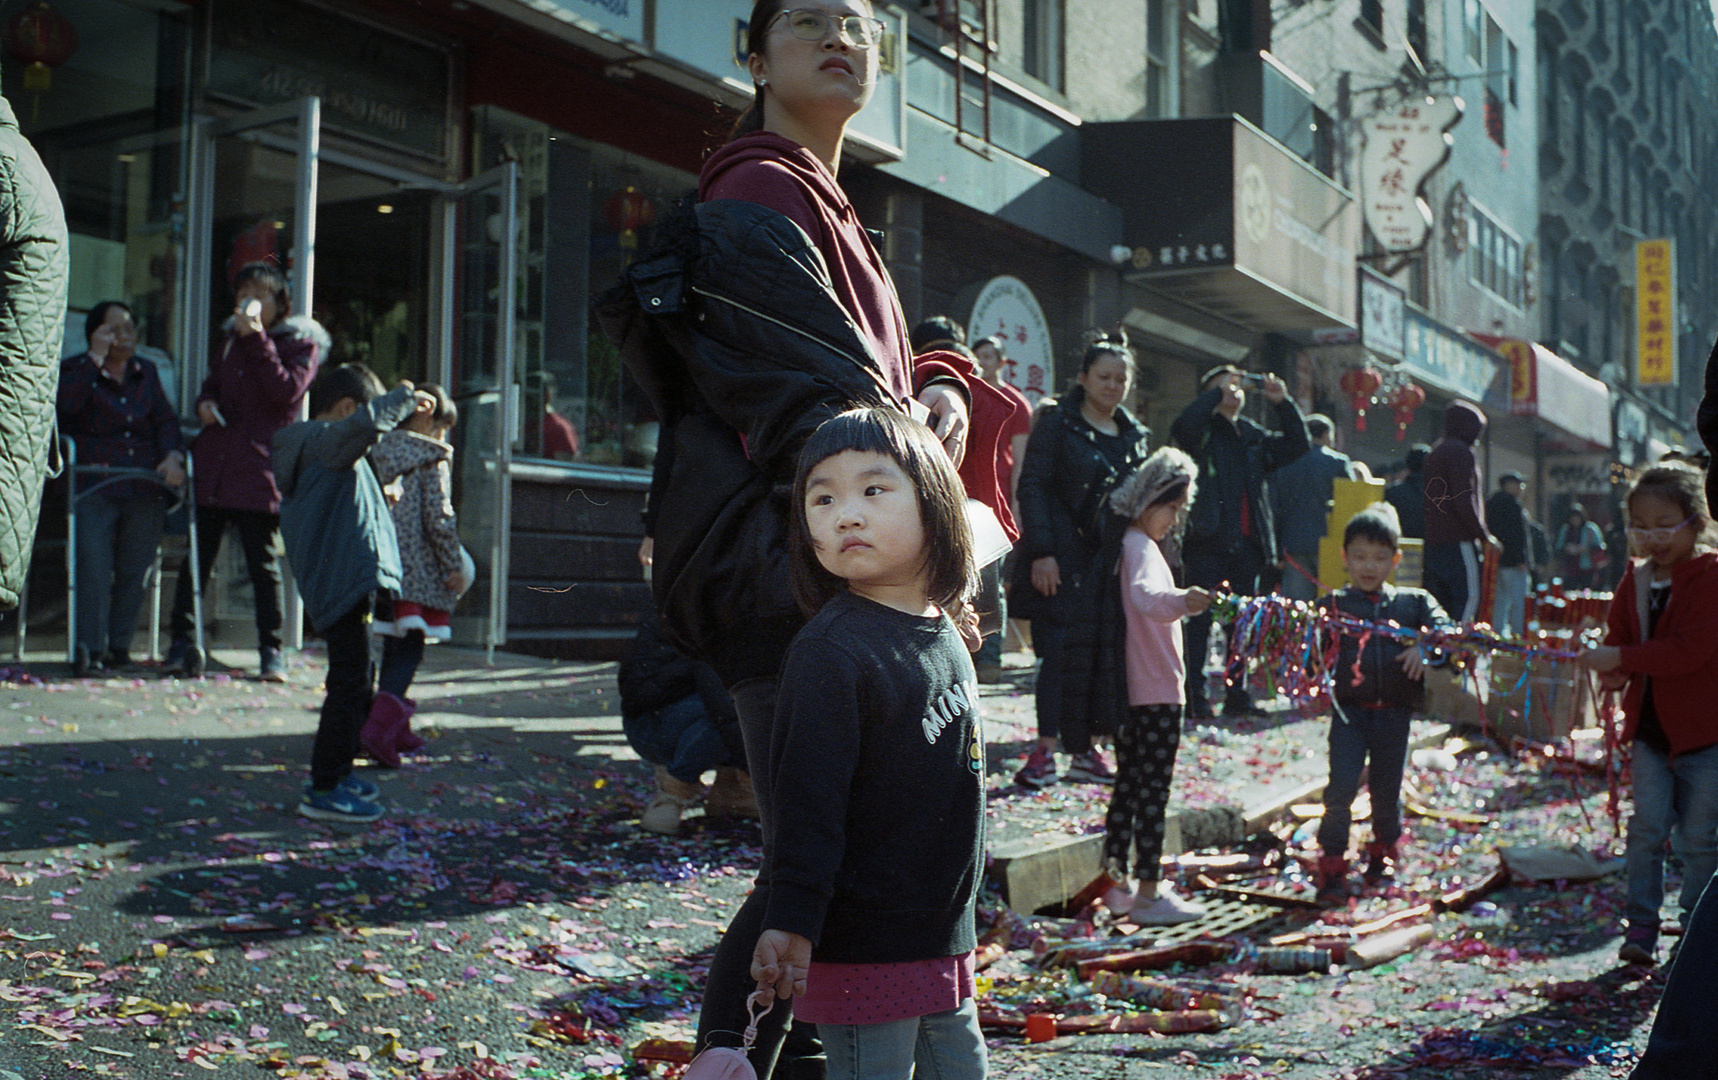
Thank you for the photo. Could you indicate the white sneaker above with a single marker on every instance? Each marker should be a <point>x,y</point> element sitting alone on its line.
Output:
<point>1118,899</point>
<point>1166,909</point>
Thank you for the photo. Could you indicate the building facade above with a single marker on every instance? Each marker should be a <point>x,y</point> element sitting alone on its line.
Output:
<point>1626,161</point>
<point>450,183</point>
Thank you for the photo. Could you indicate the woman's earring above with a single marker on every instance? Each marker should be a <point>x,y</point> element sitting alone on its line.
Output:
<point>763,82</point>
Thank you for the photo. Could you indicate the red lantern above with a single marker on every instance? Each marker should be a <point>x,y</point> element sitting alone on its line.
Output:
<point>42,39</point>
<point>1406,398</point>
<point>1360,383</point>
<point>629,210</point>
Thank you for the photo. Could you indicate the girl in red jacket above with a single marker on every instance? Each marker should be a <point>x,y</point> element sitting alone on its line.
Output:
<point>1662,652</point>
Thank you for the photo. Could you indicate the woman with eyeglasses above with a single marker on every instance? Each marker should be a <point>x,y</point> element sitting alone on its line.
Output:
<point>762,312</point>
<point>1661,651</point>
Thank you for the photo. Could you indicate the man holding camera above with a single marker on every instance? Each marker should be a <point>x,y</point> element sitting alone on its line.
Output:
<point>1231,536</point>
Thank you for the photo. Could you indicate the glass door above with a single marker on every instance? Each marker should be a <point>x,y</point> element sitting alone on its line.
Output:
<point>478,331</point>
<point>355,238</point>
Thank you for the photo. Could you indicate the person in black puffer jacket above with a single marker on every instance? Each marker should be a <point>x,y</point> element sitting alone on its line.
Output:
<point>1081,447</point>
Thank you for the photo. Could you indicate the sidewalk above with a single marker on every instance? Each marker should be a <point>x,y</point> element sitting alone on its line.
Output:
<point>1233,778</point>
<point>162,904</point>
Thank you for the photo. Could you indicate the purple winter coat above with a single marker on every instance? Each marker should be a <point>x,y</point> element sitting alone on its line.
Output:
<point>257,381</point>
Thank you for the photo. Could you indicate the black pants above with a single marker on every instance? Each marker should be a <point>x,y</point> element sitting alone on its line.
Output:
<point>1684,1041</point>
<point>346,702</point>
<point>723,1019</point>
<point>1452,575</point>
<point>1237,570</point>
<point>1374,740</point>
<point>1145,764</point>
<point>259,534</point>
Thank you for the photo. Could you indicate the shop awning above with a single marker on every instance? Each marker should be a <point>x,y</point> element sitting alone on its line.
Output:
<point>1545,385</point>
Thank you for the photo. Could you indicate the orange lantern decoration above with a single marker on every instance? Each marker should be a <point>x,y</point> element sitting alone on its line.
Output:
<point>1360,383</point>
<point>42,39</point>
<point>627,212</point>
<point>1407,397</point>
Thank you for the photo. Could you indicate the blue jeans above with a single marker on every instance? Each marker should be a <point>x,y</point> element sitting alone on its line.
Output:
<point>1355,734</point>
<point>941,1046</point>
<point>1674,799</point>
<point>680,737</point>
<point>117,542</point>
<point>1509,609</point>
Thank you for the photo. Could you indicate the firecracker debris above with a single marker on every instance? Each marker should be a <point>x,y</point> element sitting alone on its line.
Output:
<point>164,913</point>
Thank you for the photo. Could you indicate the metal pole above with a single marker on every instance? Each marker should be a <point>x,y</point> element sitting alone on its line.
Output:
<point>303,275</point>
<point>507,307</point>
<point>71,458</point>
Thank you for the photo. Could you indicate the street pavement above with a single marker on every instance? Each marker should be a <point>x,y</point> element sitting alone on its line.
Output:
<point>163,911</point>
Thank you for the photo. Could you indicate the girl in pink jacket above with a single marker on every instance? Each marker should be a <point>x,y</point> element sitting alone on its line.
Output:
<point>1155,500</point>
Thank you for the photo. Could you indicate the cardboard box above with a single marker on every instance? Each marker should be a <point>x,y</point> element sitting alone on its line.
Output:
<point>1455,697</point>
<point>1555,698</point>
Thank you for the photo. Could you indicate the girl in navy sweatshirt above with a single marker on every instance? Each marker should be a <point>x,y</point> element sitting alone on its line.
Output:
<point>874,791</point>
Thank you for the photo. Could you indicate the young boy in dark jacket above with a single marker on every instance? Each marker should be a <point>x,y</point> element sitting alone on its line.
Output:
<point>1378,682</point>
<point>341,544</point>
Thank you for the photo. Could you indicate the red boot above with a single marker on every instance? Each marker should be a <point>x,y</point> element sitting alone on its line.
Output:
<point>381,732</point>
<point>1380,863</point>
<point>407,741</point>
<point>1332,880</point>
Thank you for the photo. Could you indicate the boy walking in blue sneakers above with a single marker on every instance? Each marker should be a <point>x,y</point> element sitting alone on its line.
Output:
<point>341,545</point>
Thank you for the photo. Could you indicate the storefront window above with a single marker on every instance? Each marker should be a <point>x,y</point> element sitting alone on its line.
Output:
<point>108,125</point>
<point>589,211</point>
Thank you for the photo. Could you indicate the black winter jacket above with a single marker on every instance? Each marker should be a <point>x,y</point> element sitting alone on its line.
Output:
<point>731,328</point>
<point>1094,645</point>
<point>1064,481</point>
<point>1234,457</point>
<point>1382,680</point>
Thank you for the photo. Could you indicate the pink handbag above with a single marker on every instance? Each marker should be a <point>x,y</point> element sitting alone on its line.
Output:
<point>730,1062</point>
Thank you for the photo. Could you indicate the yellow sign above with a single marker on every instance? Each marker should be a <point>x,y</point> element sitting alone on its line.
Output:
<point>1655,312</point>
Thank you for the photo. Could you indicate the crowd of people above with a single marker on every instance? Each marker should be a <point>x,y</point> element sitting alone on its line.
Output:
<point>844,621</point>
<point>364,562</point>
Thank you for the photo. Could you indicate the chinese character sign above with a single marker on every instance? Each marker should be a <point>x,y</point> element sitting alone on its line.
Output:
<point>1007,309</point>
<point>1655,312</point>
<point>1405,143</point>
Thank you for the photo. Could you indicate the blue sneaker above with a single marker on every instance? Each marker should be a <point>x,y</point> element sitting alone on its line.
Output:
<point>338,805</point>
<point>354,784</point>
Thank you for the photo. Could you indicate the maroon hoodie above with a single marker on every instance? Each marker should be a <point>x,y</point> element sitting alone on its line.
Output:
<point>776,172</point>
<point>1454,509</point>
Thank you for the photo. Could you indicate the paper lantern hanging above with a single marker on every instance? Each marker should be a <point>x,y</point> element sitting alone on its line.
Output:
<point>1405,399</point>
<point>627,212</point>
<point>1360,383</point>
<point>41,39</point>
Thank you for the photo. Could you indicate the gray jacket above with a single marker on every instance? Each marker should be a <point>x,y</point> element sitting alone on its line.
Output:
<point>33,303</point>
<point>338,531</point>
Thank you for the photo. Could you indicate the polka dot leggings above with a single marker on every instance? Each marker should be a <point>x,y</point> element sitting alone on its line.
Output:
<point>1145,764</point>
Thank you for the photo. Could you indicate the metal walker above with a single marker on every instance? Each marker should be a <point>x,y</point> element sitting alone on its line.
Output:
<point>102,476</point>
